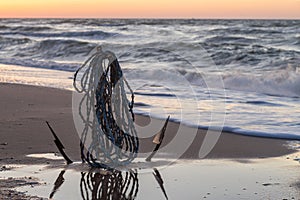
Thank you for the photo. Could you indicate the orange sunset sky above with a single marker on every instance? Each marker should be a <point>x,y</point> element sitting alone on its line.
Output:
<point>278,9</point>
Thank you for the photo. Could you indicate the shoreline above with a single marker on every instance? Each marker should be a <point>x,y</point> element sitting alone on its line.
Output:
<point>58,79</point>
<point>23,130</point>
<point>237,167</point>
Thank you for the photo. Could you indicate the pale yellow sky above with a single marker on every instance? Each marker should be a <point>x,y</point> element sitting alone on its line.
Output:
<point>287,9</point>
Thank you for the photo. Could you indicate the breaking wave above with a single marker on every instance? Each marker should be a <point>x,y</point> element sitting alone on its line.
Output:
<point>283,82</point>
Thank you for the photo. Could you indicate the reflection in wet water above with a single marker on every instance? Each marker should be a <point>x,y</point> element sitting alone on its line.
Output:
<point>160,181</point>
<point>108,184</point>
<point>59,181</point>
<point>270,178</point>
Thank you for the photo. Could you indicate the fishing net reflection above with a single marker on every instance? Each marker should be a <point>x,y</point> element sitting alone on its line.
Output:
<point>104,184</point>
<point>109,185</point>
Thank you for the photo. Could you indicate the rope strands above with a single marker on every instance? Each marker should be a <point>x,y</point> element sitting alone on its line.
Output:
<point>109,136</point>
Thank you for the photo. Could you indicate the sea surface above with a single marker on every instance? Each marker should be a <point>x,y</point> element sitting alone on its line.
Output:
<point>241,76</point>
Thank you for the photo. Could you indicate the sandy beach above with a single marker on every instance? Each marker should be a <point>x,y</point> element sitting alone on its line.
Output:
<point>23,131</point>
<point>25,109</point>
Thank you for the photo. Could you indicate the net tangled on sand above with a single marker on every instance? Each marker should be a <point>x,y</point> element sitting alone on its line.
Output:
<point>109,135</point>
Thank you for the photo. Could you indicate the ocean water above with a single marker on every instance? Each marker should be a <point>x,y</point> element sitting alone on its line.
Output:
<point>241,76</point>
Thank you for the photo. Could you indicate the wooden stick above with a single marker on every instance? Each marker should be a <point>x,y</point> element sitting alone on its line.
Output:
<point>59,145</point>
<point>158,138</point>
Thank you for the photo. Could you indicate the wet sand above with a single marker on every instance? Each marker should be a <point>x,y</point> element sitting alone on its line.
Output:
<point>23,131</point>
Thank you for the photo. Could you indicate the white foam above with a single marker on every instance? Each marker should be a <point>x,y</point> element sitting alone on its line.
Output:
<point>36,76</point>
<point>284,82</point>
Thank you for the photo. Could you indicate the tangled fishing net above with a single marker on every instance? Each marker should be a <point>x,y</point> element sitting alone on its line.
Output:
<point>109,136</point>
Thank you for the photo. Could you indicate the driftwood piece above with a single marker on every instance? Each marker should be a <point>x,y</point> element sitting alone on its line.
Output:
<point>158,138</point>
<point>59,145</point>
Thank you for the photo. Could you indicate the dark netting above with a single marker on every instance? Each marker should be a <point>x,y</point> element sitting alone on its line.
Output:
<point>109,136</point>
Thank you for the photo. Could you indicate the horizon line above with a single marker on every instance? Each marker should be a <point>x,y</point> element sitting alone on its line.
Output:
<point>178,18</point>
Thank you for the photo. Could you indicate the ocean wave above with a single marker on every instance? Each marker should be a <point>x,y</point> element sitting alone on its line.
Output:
<point>7,41</point>
<point>283,82</point>
<point>227,39</point>
<point>296,40</point>
<point>29,28</point>
<point>71,67</point>
<point>48,53</point>
<point>63,48</point>
<point>91,34</point>
<point>3,27</point>
<point>225,52</point>
<point>24,30</point>
<point>52,49</point>
<point>273,23</point>
<point>244,31</point>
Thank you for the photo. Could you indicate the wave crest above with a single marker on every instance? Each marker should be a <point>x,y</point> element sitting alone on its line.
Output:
<point>284,82</point>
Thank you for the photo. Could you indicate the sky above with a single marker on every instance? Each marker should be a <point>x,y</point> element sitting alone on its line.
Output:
<point>262,9</point>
